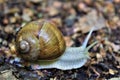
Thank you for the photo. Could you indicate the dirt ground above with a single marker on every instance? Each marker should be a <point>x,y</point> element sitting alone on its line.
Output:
<point>75,18</point>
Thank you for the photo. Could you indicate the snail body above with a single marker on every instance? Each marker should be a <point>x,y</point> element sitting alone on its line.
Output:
<point>40,42</point>
<point>71,59</point>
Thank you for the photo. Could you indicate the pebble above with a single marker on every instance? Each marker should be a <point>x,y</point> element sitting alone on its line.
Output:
<point>12,19</point>
<point>5,21</point>
<point>69,21</point>
<point>28,11</point>
<point>26,17</point>
<point>72,17</point>
<point>52,11</point>
<point>4,43</point>
<point>7,75</point>
<point>57,4</point>
<point>8,29</point>
<point>28,75</point>
<point>109,10</point>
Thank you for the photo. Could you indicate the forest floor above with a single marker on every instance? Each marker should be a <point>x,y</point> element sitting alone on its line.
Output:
<point>75,19</point>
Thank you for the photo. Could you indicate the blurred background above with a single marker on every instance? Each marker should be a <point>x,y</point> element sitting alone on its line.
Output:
<point>73,16</point>
<point>75,19</point>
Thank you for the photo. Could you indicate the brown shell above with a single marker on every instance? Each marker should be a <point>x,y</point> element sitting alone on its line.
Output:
<point>45,40</point>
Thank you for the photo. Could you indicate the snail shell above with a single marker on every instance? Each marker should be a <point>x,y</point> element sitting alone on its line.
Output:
<point>40,40</point>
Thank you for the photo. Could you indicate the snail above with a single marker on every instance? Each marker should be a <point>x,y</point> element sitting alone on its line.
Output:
<point>41,42</point>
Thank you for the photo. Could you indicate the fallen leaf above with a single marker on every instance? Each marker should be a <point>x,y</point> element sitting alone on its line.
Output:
<point>69,42</point>
<point>92,19</point>
<point>111,71</point>
<point>115,47</point>
<point>99,57</point>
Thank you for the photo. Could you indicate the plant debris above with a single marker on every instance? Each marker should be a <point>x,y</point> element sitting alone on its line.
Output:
<point>74,19</point>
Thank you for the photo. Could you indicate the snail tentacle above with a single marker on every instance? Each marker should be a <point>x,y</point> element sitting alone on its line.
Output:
<point>84,45</point>
<point>90,46</point>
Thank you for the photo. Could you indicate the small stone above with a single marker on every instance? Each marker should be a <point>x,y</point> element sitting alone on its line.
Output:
<point>12,19</point>
<point>72,11</point>
<point>28,11</point>
<point>112,23</point>
<point>118,23</point>
<point>82,7</point>
<point>70,20</point>
<point>112,72</point>
<point>52,11</point>
<point>7,75</point>
<point>99,57</point>
<point>57,4</point>
<point>5,21</point>
<point>12,48</point>
<point>5,43</point>
<point>109,10</point>
<point>40,15</point>
<point>26,17</point>
<point>8,29</point>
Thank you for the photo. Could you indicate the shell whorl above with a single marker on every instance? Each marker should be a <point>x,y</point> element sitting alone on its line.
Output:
<point>24,46</point>
<point>40,40</point>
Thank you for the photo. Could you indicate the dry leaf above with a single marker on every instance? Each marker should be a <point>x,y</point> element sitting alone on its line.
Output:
<point>93,19</point>
<point>99,57</point>
<point>69,42</point>
<point>111,71</point>
<point>115,47</point>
